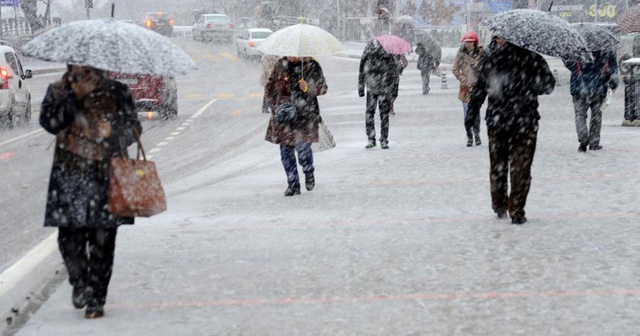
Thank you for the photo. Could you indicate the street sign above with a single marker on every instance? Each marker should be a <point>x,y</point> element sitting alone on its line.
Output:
<point>9,3</point>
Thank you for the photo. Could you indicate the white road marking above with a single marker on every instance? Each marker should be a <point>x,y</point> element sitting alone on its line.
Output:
<point>23,136</point>
<point>204,108</point>
<point>154,150</point>
<point>21,269</point>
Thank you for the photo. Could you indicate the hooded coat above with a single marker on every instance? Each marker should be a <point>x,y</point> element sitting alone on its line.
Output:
<point>594,77</point>
<point>512,78</point>
<point>429,55</point>
<point>283,86</point>
<point>77,194</point>
<point>379,71</point>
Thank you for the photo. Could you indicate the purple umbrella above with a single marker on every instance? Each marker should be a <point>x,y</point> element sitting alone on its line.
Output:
<point>394,44</point>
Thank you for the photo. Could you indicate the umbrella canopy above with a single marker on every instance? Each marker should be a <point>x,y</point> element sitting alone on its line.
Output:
<point>540,32</point>
<point>597,37</point>
<point>394,44</point>
<point>301,40</point>
<point>629,21</point>
<point>111,45</point>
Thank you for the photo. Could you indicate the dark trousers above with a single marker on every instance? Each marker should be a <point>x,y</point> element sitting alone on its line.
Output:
<point>582,103</point>
<point>383,103</point>
<point>426,77</point>
<point>631,107</point>
<point>476,124</point>
<point>288,157</point>
<point>265,106</point>
<point>511,151</point>
<point>88,256</point>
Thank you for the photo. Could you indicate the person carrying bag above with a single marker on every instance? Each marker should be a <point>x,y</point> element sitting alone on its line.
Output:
<point>94,120</point>
<point>292,91</point>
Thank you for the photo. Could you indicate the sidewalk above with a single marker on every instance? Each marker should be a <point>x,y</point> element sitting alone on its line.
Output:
<point>391,242</point>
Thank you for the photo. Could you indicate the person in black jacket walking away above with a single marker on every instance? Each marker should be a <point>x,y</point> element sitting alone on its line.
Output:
<point>93,119</point>
<point>513,78</point>
<point>589,84</point>
<point>379,74</point>
<point>429,55</point>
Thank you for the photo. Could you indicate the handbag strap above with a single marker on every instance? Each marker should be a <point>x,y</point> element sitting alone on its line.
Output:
<point>140,148</point>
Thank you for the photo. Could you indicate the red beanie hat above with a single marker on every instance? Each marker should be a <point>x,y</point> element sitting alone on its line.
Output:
<point>470,37</point>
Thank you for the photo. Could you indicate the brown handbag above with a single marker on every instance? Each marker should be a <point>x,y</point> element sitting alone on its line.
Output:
<point>134,186</point>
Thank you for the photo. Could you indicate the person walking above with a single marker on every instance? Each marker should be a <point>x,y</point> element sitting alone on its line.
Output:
<point>379,74</point>
<point>298,81</point>
<point>382,25</point>
<point>268,62</point>
<point>429,55</point>
<point>590,82</point>
<point>512,78</point>
<point>465,68</point>
<point>93,119</point>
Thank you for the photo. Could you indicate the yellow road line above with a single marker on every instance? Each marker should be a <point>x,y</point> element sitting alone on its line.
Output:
<point>256,95</point>
<point>236,112</point>
<point>194,95</point>
<point>229,56</point>
<point>211,57</point>
<point>225,95</point>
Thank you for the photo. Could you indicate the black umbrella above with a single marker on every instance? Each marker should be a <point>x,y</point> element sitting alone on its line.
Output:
<point>540,32</point>
<point>597,37</point>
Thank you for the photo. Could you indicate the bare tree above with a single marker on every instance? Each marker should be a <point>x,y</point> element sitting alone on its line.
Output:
<point>30,9</point>
<point>47,12</point>
<point>437,12</point>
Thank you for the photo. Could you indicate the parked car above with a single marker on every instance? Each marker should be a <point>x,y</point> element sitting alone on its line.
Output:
<point>155,94</point>
<point>159,22</point>
<point>247,44</point>
<point>15,98</point>
<point>211,27</point>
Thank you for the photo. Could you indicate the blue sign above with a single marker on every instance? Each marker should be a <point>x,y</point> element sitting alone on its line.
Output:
<point>499,6</point>
<point>9,3</point>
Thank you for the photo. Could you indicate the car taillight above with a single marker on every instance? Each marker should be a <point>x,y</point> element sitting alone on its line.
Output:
<point>210,25</point>
<point>171,22</point>
<point>230,25</point>
<point>148,23</point>
<point>252,44</point>
<point>5,75</point>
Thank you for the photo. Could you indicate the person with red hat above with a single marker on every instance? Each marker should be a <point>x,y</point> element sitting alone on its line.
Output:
<point>466,67</point>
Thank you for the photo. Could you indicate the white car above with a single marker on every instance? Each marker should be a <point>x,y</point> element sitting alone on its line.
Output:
<point>247,44</point>
<point>211,27</point>
<point>15,98</point>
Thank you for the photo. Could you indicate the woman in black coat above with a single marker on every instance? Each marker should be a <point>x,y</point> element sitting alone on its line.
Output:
<point>93,119</point>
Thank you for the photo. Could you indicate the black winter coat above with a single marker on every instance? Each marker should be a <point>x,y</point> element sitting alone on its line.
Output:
<point>379,71</point>
<point>77,194</point>
<point>594,77</point>
<point>513,78</point>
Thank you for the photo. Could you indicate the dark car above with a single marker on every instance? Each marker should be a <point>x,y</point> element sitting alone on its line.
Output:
<point>159,22</point>
<point>152,94</point>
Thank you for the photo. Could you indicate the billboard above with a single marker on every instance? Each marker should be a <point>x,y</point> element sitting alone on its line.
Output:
<point>586,10</point>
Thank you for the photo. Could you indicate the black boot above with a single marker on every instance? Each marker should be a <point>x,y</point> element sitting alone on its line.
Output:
<point>293,189</point>
<point>95,309</point>
<point>78,298</point>
<point>519,220</point>
<point>478,141</point>
<point>309,181</point>
<point>371,144</point>
<point>582,148</point>
<point>469,141</point>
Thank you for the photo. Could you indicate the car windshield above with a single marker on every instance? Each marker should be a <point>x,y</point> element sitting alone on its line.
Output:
<point>218,18</point>
<point>260,35</point>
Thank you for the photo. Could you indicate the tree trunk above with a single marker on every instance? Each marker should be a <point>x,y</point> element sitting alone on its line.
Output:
<point>30,9</point>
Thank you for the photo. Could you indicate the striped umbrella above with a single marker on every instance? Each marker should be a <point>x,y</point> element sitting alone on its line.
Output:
<point>629,21</point>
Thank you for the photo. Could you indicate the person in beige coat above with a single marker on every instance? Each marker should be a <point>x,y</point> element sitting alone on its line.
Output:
<point>466,68</point>
<point>268,63</point>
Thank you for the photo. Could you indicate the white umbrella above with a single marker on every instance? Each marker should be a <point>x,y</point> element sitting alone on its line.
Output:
<point>112,45</point>
<point>301,40</point>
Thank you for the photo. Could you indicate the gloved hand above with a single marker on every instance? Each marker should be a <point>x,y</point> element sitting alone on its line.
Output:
<point>361,93</point>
